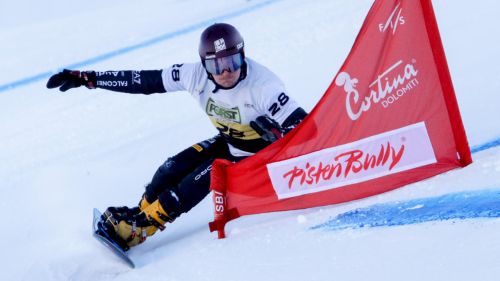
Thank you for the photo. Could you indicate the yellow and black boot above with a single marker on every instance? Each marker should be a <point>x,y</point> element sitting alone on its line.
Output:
<point>156,214</point>
<point>144,203</point>
<point>130,227</point>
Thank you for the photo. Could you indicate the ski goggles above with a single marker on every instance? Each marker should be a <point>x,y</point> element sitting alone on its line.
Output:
<point>218,65</point>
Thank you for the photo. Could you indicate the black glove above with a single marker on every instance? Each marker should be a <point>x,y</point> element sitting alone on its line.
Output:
<point>267,128</point>
<point>68,79</point>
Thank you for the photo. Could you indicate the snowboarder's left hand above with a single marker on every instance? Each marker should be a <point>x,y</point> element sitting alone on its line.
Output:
<point>267,128</point>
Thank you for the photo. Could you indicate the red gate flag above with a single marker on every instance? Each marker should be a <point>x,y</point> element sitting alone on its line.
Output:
<point>389,118</point>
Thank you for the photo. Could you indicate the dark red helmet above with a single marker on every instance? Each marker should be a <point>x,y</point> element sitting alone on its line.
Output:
<point>220,40</point>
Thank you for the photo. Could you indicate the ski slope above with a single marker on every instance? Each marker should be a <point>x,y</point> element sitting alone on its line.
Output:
<point>63,154</point>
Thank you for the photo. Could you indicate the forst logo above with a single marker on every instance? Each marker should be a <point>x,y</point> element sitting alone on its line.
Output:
<point>229,114</point>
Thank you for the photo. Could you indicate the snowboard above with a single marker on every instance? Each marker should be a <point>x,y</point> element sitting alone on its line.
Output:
<point>104,238</point>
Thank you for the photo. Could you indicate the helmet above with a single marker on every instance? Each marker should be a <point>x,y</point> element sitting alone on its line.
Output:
<point>220,40</point>
<point>221,48</point>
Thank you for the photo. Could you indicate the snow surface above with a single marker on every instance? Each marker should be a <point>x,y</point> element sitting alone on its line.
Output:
<point>64,153</point>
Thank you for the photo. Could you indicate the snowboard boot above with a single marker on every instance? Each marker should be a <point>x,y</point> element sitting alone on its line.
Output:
<point>144,203</point>
<point>110,218</point>
<point>130,227</point>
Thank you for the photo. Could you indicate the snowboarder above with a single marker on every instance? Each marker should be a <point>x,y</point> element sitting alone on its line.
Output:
<point>245,101</point>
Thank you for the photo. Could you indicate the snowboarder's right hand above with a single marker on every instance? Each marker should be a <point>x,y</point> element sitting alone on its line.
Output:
<point>68,79</point>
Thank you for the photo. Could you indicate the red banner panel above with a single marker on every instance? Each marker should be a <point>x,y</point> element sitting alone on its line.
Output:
<point>389,118</point>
